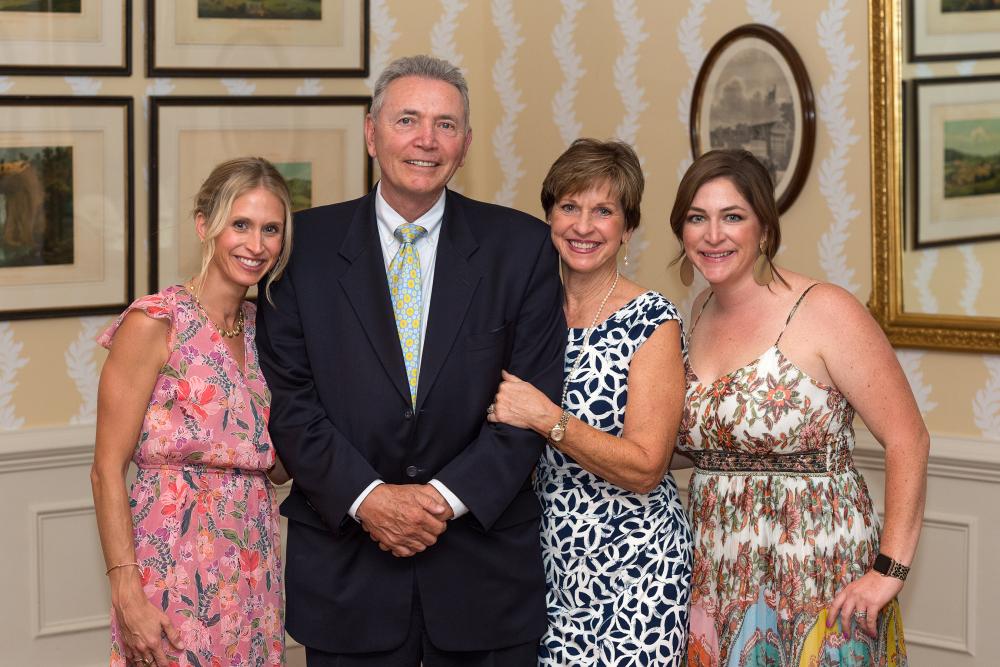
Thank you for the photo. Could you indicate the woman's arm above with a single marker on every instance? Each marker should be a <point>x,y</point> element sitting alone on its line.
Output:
<point>127,380</point>
<point>638,459</point>
<point>863,367</point>
<point>277,473</point>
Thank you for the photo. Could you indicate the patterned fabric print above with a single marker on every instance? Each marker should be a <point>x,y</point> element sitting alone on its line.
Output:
<point>617,563</point>
<point>774,545</point>
<point>406,291</point>
<point>204,514</point>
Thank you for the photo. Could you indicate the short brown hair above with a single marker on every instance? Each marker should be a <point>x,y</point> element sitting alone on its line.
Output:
<point>227,183</point>
<point>590,162</point>
<point>748,176</point>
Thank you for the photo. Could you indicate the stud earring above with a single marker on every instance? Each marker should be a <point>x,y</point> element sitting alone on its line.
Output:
<point>687,272</point>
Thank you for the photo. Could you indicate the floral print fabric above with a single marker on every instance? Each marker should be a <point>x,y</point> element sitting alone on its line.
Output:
<point>204,513</point>
<point>781,520</point>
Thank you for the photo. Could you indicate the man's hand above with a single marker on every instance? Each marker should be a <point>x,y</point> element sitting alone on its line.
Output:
<point>404,519</point>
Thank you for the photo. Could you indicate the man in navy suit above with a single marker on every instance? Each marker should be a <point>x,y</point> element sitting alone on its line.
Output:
<point>413,528</point>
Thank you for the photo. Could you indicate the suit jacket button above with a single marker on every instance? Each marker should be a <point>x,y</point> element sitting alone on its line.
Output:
<point>411,471</point>
<point>408,414</point>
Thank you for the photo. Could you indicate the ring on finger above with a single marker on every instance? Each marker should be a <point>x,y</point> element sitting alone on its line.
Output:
<point>491,408</point>
<point>861,613</point>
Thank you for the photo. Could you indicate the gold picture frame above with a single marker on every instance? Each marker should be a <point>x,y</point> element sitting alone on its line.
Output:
<point>314,139</point>
<point>66,207</point>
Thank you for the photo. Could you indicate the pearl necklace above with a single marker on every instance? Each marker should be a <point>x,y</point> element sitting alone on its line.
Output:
<point>226,333</point>
<point>586,341</point>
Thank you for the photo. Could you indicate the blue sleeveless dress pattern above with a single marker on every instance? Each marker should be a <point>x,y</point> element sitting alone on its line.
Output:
<point>617,563</point>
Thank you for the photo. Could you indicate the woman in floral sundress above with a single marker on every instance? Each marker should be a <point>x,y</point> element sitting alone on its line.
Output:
<point>192,549</point>
<point>790,566</point>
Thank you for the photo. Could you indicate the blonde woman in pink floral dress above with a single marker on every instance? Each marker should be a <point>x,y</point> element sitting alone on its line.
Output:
<point>192,549</point>
<point>790,564</point>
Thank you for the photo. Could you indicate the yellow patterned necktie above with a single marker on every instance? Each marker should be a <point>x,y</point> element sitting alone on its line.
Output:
<point>407,300</point>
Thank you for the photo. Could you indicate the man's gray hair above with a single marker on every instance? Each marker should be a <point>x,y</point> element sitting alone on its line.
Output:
<point>423,66</point>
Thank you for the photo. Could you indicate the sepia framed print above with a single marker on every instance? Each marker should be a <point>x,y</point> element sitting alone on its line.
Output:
<point>66,37</point>
<point>753,92</point>
<point>317,143</point>
<point>269,38</point>
<point>65,206</point>
<point>953,29</point>
<point>956,166</point>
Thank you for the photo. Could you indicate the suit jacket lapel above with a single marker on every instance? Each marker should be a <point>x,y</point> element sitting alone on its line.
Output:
<point>367,289</point>
<point>455,282</point>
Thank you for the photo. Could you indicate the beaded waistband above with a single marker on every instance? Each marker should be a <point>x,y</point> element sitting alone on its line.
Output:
<point>200,469</point>
<point>810,463</point>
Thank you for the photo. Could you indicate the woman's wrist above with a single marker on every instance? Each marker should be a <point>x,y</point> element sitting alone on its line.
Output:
<point>549,418</point>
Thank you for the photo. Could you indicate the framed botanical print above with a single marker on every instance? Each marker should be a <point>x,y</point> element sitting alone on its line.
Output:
<point>955,145</point>
<point>66,37</point>
<point>65,206</point>
<point>266,38</point>
<point>752,92</point>
<point>317,143</point>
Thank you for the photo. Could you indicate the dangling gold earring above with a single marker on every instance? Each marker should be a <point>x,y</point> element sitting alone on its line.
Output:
<point>625,256</point>
<point>687,272</point>
<point>762,274</point>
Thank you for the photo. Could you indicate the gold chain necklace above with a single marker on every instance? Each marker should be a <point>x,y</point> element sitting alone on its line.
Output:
<point>586,341</point>
<point>226,333</point>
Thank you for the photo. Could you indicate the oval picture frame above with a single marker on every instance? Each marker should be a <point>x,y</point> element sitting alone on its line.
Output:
<point>753,92</point>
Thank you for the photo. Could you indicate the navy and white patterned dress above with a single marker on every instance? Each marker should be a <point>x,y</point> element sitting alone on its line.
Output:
<point>617,563</point>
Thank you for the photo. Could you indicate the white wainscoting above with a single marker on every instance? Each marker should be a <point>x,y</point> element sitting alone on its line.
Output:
<point>54,609</point>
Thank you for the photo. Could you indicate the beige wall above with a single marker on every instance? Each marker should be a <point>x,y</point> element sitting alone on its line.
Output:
<point>626,69</point>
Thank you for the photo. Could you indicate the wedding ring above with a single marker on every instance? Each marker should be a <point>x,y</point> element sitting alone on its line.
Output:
<point>491,408</point>
<point>861,613</point>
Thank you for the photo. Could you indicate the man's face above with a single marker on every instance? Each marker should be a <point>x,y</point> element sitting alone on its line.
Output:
<point>420,139</point>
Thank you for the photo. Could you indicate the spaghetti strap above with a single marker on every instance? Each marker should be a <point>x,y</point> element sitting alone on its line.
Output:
<point>700,313</point>
<point>791,313</point>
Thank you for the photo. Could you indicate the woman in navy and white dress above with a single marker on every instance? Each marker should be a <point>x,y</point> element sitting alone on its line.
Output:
<point>615,538</point>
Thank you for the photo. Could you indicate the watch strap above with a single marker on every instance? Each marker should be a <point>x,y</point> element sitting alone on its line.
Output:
<point>889,567</point>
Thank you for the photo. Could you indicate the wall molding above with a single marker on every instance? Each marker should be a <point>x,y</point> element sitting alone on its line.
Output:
<point>969,459</point>
<point>42,448</point>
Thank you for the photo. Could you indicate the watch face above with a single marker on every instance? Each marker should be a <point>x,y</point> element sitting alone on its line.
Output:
<point>556,434</point>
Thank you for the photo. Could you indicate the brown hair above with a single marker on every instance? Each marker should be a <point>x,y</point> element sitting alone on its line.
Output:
<point>589,162</point>
<point>748,176</point>
<point>229,181</point>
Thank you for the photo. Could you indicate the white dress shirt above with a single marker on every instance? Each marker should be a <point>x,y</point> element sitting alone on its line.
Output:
<point>387,221</point>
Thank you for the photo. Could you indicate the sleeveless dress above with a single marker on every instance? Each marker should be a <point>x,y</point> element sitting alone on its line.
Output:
<point>204,513</point>
<point>782,520</point>
<point>617,563</point>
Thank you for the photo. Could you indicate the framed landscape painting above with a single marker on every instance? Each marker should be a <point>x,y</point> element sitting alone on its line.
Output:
<point>956,168</point>
<point>753,93</point>
<point>65,206</point>
<point>261,38</point>
<point>317,143</point>
<point>953,29</point>
<point>66,37</point>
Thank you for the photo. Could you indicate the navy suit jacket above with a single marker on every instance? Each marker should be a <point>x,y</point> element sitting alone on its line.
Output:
<point>341,417</point>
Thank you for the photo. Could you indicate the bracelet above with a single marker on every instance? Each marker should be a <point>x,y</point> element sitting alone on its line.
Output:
<point>115,567</point>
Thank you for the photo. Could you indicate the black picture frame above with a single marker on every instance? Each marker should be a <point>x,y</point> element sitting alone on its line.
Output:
<point>71,67</point>
<point>242,131</point>
<point>70,289</point>
<point>763,137</point>
<point>160,67</point>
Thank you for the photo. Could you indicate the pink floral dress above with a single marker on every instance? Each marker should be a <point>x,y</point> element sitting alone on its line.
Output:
<point>204,513</point>
<point>782,521</point>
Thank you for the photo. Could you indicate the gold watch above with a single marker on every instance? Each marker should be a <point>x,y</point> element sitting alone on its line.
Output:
<point>557,432</point>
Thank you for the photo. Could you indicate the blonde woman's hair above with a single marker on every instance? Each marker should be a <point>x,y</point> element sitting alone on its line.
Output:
<point>227,182</point>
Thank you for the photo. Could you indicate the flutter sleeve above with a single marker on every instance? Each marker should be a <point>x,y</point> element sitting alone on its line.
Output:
<point>158,306</point>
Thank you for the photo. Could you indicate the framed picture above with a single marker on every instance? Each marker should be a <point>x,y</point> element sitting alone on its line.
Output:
<point>956,160</point>
<point>265,38</point>
<point>953,29</point>
<point>65,206</point>
<point>317,143</point>
<point>66,37</point>
<point>752,92</point>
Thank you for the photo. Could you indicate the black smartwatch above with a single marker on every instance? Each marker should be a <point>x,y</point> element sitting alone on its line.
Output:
<point>887,567</point>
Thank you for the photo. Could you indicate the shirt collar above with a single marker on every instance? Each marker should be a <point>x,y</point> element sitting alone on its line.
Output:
<point>388,220</point>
